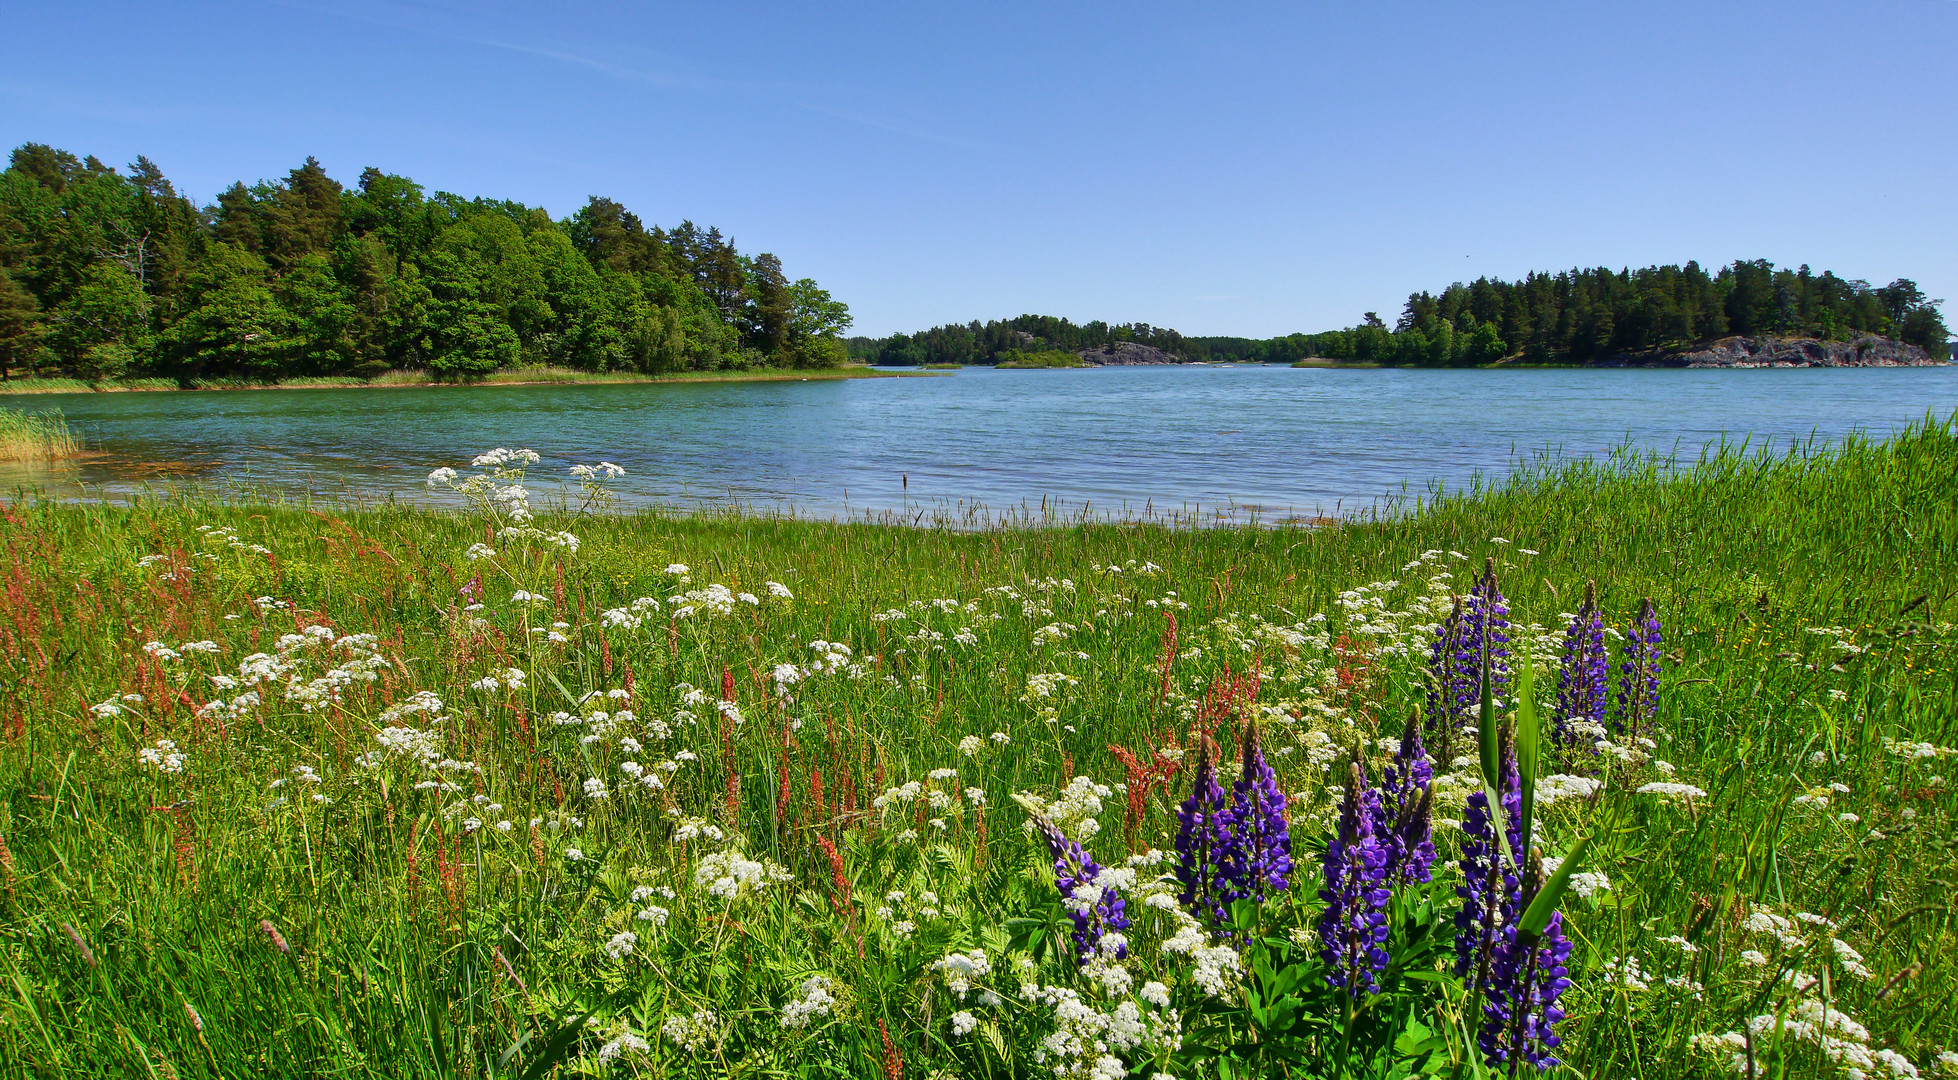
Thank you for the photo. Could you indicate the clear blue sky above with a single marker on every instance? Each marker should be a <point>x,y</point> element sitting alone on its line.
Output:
<point>1240,169</point>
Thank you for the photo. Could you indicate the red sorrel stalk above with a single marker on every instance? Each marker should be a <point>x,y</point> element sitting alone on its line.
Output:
<point>7,866</point>
<point>1228,695</point>
<point>818,805</point>
<point>727,750</point>
<point>893,1061</point>
<point>837,879</point>
<point>1167,656</point>
<point>1155,772</point>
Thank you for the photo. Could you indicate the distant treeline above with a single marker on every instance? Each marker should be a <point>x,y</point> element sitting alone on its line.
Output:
<point>976,343</point>
<point>1566,318</point>
<point>1581,315</point>
<point>106,273</point>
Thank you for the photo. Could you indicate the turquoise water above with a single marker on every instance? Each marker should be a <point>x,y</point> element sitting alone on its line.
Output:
<point>1240,442</point>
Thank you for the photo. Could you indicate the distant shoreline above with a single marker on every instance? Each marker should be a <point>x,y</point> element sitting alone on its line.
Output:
<point>408,380</point>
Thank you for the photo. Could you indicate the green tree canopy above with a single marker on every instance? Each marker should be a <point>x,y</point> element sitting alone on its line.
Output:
<point>303,275</point>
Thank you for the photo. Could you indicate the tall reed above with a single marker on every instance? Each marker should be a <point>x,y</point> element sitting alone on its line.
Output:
<point>31,437</point>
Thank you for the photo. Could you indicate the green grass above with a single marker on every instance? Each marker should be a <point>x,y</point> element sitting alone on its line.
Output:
<point>1045,358</point>
<point>521,376</point>
<point>419,948</point>
<point>56,384</point>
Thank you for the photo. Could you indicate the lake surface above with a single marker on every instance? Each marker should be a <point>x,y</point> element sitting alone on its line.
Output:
<point>1232,441</point>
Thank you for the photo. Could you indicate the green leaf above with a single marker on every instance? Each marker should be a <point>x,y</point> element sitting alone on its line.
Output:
<point>1486,735</point>
<point>554,1051</point>
<point>568,696</point>
<point>503,1060</point>
<point>435,1014</point>
<point>1528,745</point>
<point>1283,1014</point>
<point>1499,827</point>
<point>1537,915</point>
<point>995,1038</point>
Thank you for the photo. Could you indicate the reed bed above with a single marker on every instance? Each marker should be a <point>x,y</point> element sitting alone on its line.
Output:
<point>35,437</point>
<point>237,841</point>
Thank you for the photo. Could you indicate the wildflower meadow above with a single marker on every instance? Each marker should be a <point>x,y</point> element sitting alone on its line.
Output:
<point>1633,767</point>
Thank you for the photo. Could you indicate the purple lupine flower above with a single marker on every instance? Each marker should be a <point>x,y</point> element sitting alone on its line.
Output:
<point>1406,806</point>
<point>1583,682</point>
<point>1094,909</point>
<point>1475,634</point>
<point>1353,928</point>
<point>1451,682</point>
<point>1520,1009</point>
<point>1638,675</point>
<point>1490,891</point>
<point>1485,638</point>
<point>1257,861</point>
<point>1203,837</point>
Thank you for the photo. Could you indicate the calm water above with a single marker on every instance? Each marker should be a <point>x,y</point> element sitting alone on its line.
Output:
<point>1274,442</point>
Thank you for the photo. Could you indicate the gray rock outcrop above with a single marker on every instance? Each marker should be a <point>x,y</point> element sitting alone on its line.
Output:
<point>1127,352</point>
<point>1758,352</point>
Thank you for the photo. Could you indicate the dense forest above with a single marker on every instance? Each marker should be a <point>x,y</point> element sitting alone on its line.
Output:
<point>1567,318</point>
<point>1582,315</point>
<point>976,343</point>
<point>107,273</point>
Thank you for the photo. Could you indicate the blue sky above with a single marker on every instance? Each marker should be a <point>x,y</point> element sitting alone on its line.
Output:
<point>1220,169</point>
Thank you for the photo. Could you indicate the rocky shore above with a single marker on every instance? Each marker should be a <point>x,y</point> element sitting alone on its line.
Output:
<point>1728,352</point>
<point>1127,352</point>
<point>1767,352</point>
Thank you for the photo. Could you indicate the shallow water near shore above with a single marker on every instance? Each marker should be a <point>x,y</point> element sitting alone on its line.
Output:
<point>1212,443</point>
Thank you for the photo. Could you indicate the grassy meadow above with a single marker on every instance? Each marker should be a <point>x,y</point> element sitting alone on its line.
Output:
<point>308,790</point>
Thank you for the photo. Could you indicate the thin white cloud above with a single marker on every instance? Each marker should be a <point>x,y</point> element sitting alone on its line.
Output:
<point>896,127</point>
<point>404,17</point>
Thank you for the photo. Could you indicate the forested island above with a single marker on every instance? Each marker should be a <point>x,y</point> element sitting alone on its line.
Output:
<point>108,273</point>
<point>1659,314</point>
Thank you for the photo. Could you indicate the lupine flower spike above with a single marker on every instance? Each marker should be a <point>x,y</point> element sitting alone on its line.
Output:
<point>1451,682</point>
<point>1202,835</point>
<point>1353,928</point>
<point>1094,909</point>
<point>1526,978</point>
<point>1259,859</point>
<point>1490,890</point>
<point>1485,639</point>
<point>1583,682</point>
<point>1638,675</point>
<point>1475,634</point>
<point>1406,806</point>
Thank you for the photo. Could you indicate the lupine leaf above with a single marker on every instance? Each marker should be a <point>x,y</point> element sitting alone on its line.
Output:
<point>1486,735</point>
<point>1499,827</point>
<point>1537,915</point>
<point>1528,745</point>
